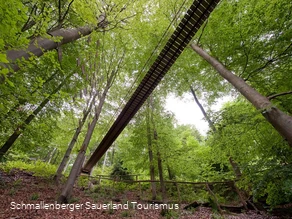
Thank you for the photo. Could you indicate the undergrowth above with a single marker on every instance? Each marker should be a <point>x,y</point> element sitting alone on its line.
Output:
<point>38,168</point>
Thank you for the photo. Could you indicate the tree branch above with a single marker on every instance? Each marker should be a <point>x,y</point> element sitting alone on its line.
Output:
<point>67,11</point>
<point>283,54</point>
<point>202,32</point>
<point>119,65</point>
<point>59,8</point>
<point>29,23</point>
<point>279,94</point>
<point>211,124</point>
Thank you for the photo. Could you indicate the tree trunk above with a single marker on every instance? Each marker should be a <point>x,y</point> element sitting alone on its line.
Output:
<point>234,165</point>
<point>56,157</point>
<point>39,45</point>
<point>75,171</point>
<point>211,124</point>
<point>215,198</point>
<point>159,161</point>
<point>28,120</point>
<point>160,172</point>
<point>24,101</point>
<point>279,120</point>
<point>239,193</point>
<point>52,155</point>
<point>171,175</point>
<point>104,162</point>
<point>64,197</point>
<point>161,179</point>
<point>235,168</point>
<point>150,152</point>
<point>47,157</point>
<point>67,164</point>
<point>113,154</point>
<point>65,159</point>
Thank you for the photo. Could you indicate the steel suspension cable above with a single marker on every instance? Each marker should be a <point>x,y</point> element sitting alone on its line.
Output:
<point>193,19</point>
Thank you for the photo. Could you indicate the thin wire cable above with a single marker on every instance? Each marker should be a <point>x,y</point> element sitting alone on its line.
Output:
<point>175,18</point>
<point>130,90</point>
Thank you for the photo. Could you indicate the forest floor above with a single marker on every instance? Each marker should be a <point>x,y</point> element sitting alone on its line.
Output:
<point>20,189</point>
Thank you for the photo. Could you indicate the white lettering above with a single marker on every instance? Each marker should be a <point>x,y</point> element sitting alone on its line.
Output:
<point>134,204</point>
<point>13,204</point>
<point>87,205</point>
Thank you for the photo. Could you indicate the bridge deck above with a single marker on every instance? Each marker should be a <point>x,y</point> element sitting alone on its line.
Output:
<point>192,21</point>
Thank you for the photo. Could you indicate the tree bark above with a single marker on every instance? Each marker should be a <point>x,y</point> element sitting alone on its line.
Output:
<point>211,124</point>
<point>171,175</point>
<point>28,120</point>
<point>215,198</point>
<point>76,168</point>
<point>278,95</point>
<point>39,45</point>
<point>52,155</point>
<point>75,171</point>
<point>47,157</point>
<point>104,162</point>
<point>150,153</point>
<point>67,163</point>
<point>234,165</point>
<point>56,157</point>
<point>159,160</point>
<point>161,178</point>
<point>240,196</point>
<point>235,168</point>
<point>278,119</point>
<point>160,172</point>
<point>65,159</point>
<point>113,154</point>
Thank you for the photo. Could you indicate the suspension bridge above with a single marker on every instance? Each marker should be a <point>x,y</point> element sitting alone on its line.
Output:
<point>198,12</point>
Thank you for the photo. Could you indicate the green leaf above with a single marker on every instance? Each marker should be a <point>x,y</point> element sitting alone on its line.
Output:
<point>4,71</point>
<point>9,82</point>
<point>3,58</point>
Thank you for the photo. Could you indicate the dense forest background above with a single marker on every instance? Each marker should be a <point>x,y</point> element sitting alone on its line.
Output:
<point>68,68</point>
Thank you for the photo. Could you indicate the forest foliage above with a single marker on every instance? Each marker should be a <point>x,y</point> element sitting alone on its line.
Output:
<point>251,38</point>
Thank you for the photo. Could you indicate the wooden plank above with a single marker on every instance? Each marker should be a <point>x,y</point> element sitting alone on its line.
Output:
<point>193,19</point>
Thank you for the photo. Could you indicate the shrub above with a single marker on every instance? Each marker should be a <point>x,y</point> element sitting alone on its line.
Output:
<point>83,181</point>
<point>274,186</point>
<point>34,196</point>
<point>126,214</point>
<point>39,168</point>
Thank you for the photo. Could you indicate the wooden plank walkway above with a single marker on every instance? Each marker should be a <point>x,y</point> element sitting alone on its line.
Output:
<point>192,21</point>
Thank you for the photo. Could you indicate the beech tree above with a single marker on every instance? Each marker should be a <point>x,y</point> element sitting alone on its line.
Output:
<point>46,22</point>
<point>281,121</point>
<point>45,41</point>
<point>260,151</point>
<point>105,80</point>
<point>150,150</point>
<point>81,123</point>
<point>39,46</point>
<point>5,147</point>
<point>89,93</point>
